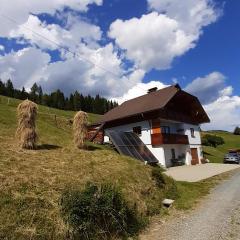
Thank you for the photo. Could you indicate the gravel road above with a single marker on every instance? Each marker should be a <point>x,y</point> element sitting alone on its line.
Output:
<point>217,217</point>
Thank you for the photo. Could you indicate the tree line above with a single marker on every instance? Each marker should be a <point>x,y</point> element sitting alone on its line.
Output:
<point>75,102</point>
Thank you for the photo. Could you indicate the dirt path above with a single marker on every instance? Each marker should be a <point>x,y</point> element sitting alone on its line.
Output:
<point>217,217</point>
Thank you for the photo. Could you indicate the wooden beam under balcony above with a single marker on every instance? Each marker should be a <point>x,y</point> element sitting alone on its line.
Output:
<point>163,138</point>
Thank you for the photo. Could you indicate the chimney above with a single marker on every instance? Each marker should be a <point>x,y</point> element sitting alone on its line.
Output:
<point>152,90</point>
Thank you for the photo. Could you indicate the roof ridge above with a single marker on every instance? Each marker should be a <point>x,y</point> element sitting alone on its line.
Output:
<point>151,93</point>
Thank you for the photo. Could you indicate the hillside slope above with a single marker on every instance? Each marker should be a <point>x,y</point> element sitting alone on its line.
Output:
<point>216,155</point>
<point>31,182</point>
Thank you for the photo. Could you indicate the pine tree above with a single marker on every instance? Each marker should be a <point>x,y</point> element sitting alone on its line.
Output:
<point>237,131</point>
<point>77,101</point>
<point>2,88</point>
<point>40,94</point>
<point>34,93</point>
<point>9,88</point>
<point>24,95</point>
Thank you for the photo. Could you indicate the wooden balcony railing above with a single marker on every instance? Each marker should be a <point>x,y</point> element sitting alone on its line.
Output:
<point>163,138</point>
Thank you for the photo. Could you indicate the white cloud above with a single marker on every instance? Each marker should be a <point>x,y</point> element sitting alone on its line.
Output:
<point>23,67</point>
<point>20,10</point>
<point>224,113</point>
<point>172,29</point>
<point>139,89</point>
<point>52,36</point>
<point>72,73</point>
<point>218,100</point>
<point>210,87</point>
<point>191,15</point>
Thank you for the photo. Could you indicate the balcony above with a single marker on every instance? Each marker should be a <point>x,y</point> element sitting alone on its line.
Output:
<point>164,138</point>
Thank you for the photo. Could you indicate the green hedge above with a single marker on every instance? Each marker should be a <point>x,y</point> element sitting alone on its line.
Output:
<point>212,140</point>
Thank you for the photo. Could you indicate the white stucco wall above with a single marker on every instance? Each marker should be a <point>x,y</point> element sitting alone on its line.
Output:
<point>163,152</point>
<point>145,137</point>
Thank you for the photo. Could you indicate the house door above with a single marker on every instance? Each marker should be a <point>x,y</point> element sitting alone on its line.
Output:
<point>194,154</point>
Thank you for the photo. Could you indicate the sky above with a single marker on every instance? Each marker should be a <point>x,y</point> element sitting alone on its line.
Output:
<point>121,48</point>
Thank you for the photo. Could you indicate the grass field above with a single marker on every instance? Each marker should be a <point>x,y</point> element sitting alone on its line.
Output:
<point>216,155</point>
<point>31,182</point>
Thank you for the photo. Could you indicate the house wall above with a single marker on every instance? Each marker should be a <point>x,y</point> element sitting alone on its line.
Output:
<point>194,142</point>
<point>163,152</point>
<point>145,137</point>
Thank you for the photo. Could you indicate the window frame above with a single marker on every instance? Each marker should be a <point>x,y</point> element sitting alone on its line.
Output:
<point>192,131</point>
<point>137,128</point>
<point>164,128</point>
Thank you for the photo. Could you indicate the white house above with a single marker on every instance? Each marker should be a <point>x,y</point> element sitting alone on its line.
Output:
<point>167,121</point>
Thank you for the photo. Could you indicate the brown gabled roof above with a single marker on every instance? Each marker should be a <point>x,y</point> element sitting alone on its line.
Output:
<point>145,103</point>
<point>151,102</point>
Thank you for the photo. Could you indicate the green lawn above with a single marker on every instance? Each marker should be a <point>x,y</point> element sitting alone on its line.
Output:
<point>216,155</point>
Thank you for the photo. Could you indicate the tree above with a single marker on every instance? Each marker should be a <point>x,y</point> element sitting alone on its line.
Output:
<point>77,101</point>
<point>34,93</point>
<point>212,140</point>
<point>40,94</point>
<point>237,131</point>
<point>2,88</point>
<point>9,88</point>
<point>24,95</point>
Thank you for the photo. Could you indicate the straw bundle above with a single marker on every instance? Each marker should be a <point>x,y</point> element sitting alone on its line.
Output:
<point>80,129</point>
<point>26,131</point>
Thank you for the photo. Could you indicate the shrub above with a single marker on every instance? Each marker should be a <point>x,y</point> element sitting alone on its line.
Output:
<point>171,189</point>
<point>212,140</point>
<point>167,184</point>
<point>99,213</point>
<point>158,177</point>
<point>237,131</point>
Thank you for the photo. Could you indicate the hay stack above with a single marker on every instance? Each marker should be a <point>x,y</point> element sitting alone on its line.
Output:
<point>80,122</point>
<point>26,131</point>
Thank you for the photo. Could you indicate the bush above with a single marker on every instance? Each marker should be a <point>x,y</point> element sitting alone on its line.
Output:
<point>212,140</point>
<point>158,177</point>
<point>237,131</point>
<point>99,213</point>
<point>171,189</point>
<point>167,184</point>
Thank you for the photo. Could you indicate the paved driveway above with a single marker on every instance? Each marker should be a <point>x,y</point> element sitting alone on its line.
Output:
<point>199,172</point>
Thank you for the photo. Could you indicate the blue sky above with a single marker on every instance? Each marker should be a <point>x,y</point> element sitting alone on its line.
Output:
<point>123,47</point>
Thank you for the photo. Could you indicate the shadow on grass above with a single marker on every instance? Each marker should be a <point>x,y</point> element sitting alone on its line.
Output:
<point>97,147</point>
<point>207,154</point>
<point>47,147</point>
<point>93,148</point>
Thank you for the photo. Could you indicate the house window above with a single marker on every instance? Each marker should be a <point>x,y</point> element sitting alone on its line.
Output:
<point>165,129</point>
<point>192,132</point>
<point>137,130</point>
<point>173,153</point>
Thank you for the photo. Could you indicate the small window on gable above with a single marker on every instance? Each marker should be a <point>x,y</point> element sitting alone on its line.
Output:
<point>138,130</point>
<point>192,132</point>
